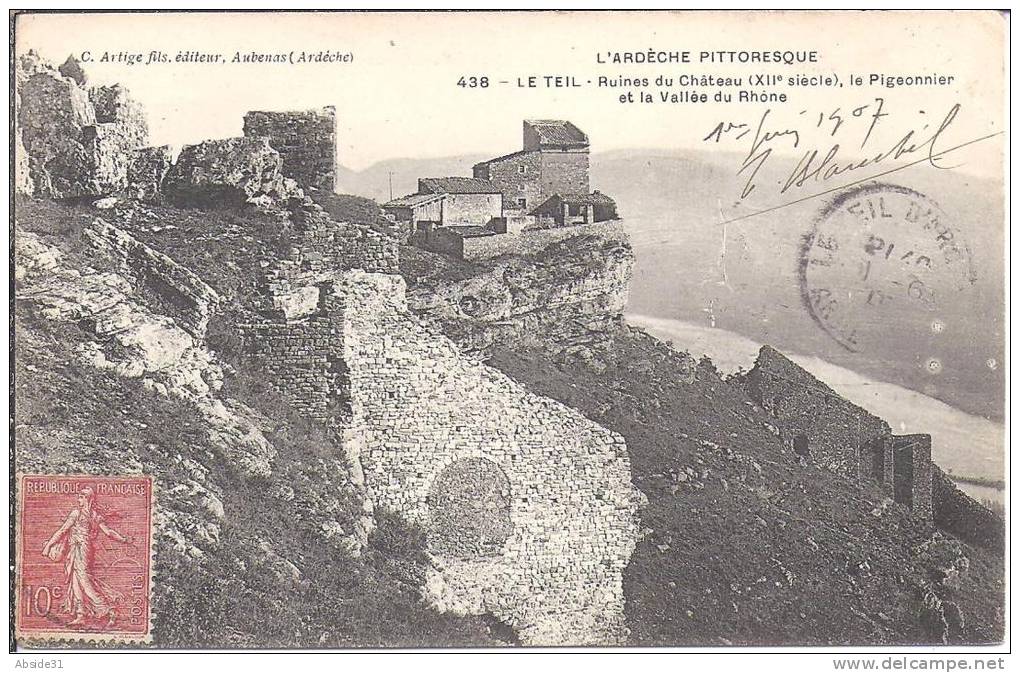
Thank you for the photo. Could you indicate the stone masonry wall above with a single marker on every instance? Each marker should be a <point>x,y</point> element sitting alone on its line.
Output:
<point>553,569</point>
<point>527,242</point>
<point>302,361</point>
<point>518,175</point>
<point>912,474</point>
<point>528,507</point>
<point>837,431</point>
<point>827,430</point>
<point>306,141</point>
<point>319,246</point>
<point>292,337</point>
<point>564,173</point>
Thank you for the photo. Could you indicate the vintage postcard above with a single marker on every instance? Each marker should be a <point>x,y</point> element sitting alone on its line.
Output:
<point>348,330</point>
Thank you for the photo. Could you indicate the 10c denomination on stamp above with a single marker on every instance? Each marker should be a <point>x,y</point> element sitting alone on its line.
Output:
<point>84,558</point>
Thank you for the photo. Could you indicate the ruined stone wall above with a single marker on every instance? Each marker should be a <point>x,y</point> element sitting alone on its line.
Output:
<point>173,289</point>
<point>837,431</point>
<point>827,430</point>
<point>528,506</point>
<point>291,335</point>
<point>912,473</point>
<point>306,141</point>
<point>542,538</point>
<point>318,246</point>
<point>302,360</point>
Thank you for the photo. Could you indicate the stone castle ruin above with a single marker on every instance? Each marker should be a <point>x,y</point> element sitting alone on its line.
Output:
<point>823,428</point>
<point>528,506</point>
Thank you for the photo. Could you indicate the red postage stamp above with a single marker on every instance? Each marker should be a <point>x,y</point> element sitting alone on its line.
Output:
<point>84,559</point>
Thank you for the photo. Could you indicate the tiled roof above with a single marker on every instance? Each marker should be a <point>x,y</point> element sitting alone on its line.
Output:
<point>505,156</point>
<point>412,200</point>
<point>593,199</point>
<point>457,186</point>
<point>557,132</point>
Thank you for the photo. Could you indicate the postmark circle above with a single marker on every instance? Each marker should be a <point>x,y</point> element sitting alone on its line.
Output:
<point>880,253</point>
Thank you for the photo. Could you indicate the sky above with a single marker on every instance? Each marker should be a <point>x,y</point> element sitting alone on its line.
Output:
<point>399,96</point>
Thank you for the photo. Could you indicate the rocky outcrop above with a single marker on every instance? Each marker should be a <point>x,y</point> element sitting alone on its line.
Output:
<point>72,69</point>
<point>77,141</point>
<point>132,338</point>
<point>233,171</point>
<point>568,295</point>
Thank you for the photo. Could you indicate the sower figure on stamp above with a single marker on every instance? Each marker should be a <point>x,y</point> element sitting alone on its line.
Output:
<point>74,543</point>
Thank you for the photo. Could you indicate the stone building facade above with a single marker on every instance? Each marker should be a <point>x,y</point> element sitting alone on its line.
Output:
<point>464,200</point>
<point>821,427</point>
<point>554,160</point>
<point>306,141</point>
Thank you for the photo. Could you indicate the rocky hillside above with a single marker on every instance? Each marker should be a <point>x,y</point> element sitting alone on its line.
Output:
<point>255,516</point>
<point>743,544</point>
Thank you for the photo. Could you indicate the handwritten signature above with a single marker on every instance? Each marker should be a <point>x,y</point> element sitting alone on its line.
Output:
<point>820,165</point>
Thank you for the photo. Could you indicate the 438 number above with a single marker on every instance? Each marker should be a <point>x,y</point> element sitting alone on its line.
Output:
<point>473,82</point>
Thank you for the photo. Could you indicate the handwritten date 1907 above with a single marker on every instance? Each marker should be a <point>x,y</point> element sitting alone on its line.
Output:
<point>820,164</point>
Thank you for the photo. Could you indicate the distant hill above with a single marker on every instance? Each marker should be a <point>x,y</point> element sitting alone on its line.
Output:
<point>374,181</point>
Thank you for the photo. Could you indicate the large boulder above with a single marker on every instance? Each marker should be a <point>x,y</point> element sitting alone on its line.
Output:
<point>77,142</point>
<point>147,170</point>
<point>231,172</point>
<point>120,130</point>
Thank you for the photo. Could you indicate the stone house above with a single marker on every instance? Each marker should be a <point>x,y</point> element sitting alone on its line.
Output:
<point>574,209</point>
<point>416,208</point>
<point>821,427</point>
<point>554,160</point>
<point>447,202</point>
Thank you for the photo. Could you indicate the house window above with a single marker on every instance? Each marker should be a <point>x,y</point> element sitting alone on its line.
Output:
<point>522,203</point>
<point>523,169</point>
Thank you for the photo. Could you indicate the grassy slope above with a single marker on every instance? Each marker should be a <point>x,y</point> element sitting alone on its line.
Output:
<point>72,418</point>
<point>748,547</point>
